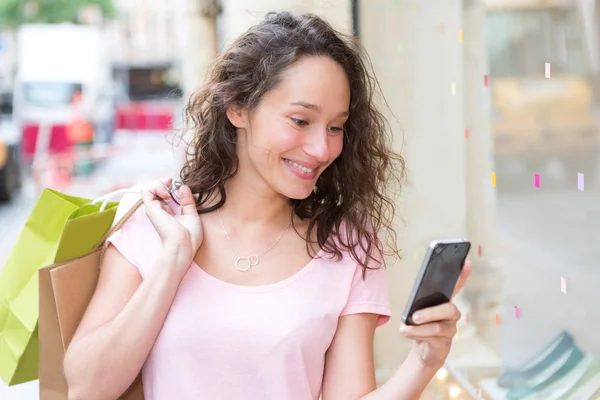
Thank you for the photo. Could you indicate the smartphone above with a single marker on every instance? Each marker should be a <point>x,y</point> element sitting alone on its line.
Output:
<point>437,278</point>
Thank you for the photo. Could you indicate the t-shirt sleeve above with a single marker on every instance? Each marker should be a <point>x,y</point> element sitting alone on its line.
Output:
<point>126,239</point>
<point>370,295</point>
<point>137,240</point>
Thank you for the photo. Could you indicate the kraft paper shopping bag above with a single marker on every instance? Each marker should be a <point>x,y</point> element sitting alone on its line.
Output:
<point>65,292</point>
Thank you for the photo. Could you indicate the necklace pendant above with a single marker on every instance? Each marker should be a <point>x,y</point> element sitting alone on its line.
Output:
<point>251,260</point>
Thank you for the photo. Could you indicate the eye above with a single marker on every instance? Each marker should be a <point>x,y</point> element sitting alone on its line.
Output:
<point>299,122</point>
<point>336,129</point>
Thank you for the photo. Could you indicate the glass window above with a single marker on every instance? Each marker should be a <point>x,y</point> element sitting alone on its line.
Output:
<point>520,42</point>
<point>149,83</point>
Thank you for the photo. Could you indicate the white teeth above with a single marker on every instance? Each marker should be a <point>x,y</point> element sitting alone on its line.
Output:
<point>300,167</point>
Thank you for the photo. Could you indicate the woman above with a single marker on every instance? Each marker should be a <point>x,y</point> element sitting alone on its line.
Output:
<point>270,283</point>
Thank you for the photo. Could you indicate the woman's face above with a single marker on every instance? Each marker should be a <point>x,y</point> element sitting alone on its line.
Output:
<point>297,130</point>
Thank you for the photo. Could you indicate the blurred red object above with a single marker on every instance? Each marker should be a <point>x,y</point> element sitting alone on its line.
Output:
<point>55,172</point>
<point>144,116</point>
<point>59,141</point>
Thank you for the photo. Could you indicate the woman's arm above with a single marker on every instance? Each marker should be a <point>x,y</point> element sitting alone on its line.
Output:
<point>408,383</point>
<point>120,326</point>
<point>349,367</point>
<point>350,370</point>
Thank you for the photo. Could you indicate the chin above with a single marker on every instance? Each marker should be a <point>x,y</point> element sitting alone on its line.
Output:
<point>296,193</point>
<point>294,185</point>
<point>293,190</point>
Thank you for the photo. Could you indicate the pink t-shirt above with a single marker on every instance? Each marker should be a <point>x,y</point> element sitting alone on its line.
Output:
<point>224,341</point>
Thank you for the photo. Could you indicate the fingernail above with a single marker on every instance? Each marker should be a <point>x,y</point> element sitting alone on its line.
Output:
<point>403,329</point>
<point>417,317</point>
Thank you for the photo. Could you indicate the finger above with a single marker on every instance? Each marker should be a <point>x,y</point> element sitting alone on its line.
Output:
<point>154,197</point>
<point>444,312</point>
<point>158,190</point>
<point>166,181</point>
<point>462,279</point>
<point>433,330</point>
<point>187,200</point>
<point>158,212</point>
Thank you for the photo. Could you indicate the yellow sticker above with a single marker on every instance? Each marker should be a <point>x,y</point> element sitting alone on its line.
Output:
<point>460,36</point>
<point>493,179</point>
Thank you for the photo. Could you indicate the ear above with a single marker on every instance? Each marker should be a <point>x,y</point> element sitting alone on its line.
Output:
<point>238,117</point>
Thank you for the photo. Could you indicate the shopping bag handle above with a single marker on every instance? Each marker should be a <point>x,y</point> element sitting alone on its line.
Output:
<point>108,197</point>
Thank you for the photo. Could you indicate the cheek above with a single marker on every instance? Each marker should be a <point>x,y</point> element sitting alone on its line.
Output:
<point>336,144</point>
<point>267,140</point>
<point>283,139</point>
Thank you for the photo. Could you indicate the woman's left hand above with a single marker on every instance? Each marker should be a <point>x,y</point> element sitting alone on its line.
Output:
<point>436,327</point>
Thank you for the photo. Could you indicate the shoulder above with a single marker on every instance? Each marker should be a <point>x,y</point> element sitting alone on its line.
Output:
<point>127,202</point>
<point>137,240</point>
<point>139,219</point>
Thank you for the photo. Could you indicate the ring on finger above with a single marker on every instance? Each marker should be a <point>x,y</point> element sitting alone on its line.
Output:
<point>174,191</point>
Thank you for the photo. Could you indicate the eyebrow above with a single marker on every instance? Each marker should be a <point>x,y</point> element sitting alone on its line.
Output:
<point>315,107</point>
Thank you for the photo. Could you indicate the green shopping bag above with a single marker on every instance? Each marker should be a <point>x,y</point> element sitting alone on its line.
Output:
<point>60,228</point>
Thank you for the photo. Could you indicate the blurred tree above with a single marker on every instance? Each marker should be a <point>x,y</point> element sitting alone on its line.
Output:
<point>17,12</point>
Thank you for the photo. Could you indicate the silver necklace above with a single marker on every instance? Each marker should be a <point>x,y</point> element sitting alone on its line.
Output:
<point>252,260</point>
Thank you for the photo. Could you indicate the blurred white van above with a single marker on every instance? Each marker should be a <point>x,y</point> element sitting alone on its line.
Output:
<point>54,61</point>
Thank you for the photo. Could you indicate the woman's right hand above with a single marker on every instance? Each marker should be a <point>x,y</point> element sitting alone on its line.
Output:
<point>181,235</point>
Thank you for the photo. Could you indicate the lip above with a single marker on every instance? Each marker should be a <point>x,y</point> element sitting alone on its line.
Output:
<point>307,176</point>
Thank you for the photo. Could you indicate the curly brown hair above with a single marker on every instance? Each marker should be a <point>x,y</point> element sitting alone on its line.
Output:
<point>355,190</point>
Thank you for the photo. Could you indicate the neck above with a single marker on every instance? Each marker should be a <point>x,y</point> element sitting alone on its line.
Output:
<point>247,204</point>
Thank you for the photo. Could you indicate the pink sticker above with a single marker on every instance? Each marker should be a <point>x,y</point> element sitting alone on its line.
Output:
<point>536,179</point>
<point>517,312</point>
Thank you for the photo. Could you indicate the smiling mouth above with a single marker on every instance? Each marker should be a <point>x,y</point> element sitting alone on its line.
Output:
<point>298,166</point>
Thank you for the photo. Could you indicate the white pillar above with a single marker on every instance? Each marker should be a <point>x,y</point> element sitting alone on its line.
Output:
<point>140,32</point>
<point>419,66</point>
<point>162,12</point>
<point>483,289</point>
<point>337,12</point>
<point>200,47</point>
<point>239,15</point>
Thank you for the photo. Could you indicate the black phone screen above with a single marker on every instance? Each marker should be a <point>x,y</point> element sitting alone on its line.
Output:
<point>441,274</point>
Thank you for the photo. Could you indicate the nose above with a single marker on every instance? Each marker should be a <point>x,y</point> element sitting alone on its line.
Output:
<point>317,146</point>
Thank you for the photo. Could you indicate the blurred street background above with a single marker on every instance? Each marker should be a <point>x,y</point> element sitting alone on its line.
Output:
<point>495,105</point>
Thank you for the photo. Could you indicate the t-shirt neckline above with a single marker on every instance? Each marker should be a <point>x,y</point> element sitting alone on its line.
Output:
<point>263,288</point>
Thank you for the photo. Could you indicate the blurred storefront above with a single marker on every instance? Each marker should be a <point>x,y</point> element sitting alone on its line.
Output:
<point>535,90</point>
<point>148,45</point>
<point>494,105</point>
